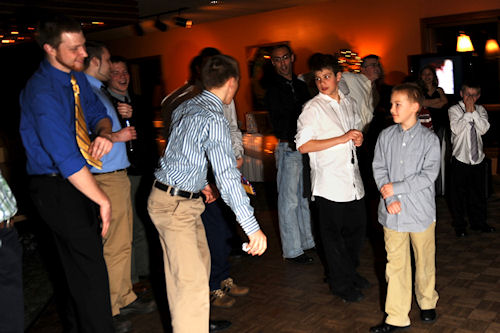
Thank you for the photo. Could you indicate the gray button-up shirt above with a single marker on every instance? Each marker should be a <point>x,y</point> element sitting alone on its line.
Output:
<point>410,160</point>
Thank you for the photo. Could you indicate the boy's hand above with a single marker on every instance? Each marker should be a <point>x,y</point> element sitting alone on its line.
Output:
<point>394,207</point>
<point>469,102</point>
<point>258,243</point>
<point>353,135</point>
<point>387,191</point>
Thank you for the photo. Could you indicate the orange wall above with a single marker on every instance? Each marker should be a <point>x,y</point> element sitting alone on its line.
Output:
<point>389,28</point>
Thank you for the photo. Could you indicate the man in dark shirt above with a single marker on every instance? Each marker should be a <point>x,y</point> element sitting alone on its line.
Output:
<point>284,99</point>
<point>62,187</point>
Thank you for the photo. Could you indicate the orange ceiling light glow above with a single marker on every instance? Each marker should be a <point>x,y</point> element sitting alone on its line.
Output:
<point>464,43</point>
<point>491,47</point>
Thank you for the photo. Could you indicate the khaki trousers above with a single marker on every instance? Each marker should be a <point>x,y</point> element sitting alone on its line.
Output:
<point>186,257</point>
<point>398,273</point>
<point>117,244</point>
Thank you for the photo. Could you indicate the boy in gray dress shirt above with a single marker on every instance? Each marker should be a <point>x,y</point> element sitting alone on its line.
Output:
<point>405,166</point>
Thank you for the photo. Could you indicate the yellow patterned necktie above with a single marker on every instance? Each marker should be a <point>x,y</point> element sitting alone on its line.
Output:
<point>82,133</point>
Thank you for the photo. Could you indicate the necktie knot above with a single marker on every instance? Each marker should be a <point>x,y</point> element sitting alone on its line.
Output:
<point>76,88</point>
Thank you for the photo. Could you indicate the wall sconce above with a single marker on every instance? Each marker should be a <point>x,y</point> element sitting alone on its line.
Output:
<point>464,43</point>
<point>183,22</point>
<point>160,25</point>
<point>491,48</point>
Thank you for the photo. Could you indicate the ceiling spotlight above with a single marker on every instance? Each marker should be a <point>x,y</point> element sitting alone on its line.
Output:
<point>160,25</point>
<point>138,29</point>
<point>183,22</point>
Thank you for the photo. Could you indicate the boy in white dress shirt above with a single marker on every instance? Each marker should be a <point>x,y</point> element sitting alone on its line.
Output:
<point>328,129</point>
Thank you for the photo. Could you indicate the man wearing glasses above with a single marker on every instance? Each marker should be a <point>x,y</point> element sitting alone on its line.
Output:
<point>284,99</point>
<point>361,87</point>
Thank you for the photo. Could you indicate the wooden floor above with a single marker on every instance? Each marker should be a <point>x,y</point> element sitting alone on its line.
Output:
<point>286,297</point>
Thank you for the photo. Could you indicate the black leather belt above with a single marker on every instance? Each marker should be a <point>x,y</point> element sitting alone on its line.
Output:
<point>175,191</point>
<point>7,224</point>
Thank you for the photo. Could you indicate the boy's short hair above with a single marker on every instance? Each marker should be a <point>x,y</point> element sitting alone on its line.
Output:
<point>471,84</point>
<point>412,91</point>
<point>95,49</point>
<point>51,28</point>
<point>370,56</point>
<point>217,70</point>
<point>116,59</point>
<point>322,61</point>
<point>281,46</point>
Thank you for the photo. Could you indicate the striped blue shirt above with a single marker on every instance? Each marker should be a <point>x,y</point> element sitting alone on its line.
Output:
<point>200,131</point>
<point>8,205</point>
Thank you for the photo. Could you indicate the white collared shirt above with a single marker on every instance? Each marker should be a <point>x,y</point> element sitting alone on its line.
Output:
<point>359,87</point>
<point>334,176</point>
<point>460,124</point>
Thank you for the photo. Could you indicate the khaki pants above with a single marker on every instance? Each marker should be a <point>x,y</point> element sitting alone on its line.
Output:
<point>398,273</point>
<point>117,244</point>
<point>186,258</point>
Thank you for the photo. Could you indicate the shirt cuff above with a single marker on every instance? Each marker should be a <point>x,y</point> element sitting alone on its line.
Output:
<point>249,225</point>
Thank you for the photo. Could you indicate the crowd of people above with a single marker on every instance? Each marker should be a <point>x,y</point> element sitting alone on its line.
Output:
<point>89,153</point>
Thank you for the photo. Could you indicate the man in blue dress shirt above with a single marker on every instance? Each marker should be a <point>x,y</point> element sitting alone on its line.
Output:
<point>113,179</point>
<point>199,133</point>
<point>62,187</point>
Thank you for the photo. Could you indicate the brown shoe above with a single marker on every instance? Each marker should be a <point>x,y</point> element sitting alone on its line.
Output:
<point>231,288</point>
<point>220,299</point>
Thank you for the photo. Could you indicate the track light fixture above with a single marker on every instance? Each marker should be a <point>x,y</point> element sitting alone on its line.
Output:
<point>160,25</point>
<point>183,22</point>
<point>138,29</point>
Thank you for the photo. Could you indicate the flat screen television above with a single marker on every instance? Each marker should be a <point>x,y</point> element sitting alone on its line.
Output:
<point>449,69</point>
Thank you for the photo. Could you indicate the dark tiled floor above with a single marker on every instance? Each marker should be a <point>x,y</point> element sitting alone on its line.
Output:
<point>286,297</point>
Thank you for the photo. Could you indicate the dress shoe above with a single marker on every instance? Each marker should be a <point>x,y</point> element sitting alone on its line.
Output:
<point>385,328</point>
<point>139,306</point>
<point>303,259</point>
<point>350,295</point>
<point>219,325</point>
<point>428,316</point>
<point>486,228</point>
<point>460,233</point>
<point>231,288</point>
<point>121,324</point>
<point>220,299</point>
<point>360,282</point>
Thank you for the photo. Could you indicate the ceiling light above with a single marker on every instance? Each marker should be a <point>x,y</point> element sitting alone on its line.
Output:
<point>160,25</point>
<point>183,22</point>
<point>464,43</point>
<point>491,47</point>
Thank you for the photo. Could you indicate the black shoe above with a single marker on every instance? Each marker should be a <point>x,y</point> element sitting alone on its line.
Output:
<point>218,325</point>
<point>303,259</point>
<point>428,316</point>
<point>121,324</point>
<point>360,282</point>
<point>486,228</point>
<point>384,328</point>
<point>139,306</point>
<point>461,233</point>
<point>350,295</point>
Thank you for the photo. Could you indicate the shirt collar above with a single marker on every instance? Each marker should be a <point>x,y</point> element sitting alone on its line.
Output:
<point>63,77</point>
<point>213,98</point>
<point>329,99</point>
<point>118,96</point>
<point>95,83</point>
<point>412,130</point>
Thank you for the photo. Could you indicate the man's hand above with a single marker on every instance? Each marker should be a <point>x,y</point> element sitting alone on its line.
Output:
<point>355,136</point>
<point>387,191</point>
<point>124,135</point>
<point>125,110</point>
<point>257,244</point>
<point>211,193</point>
<point>239,162</point>
<point>105,210</point>
<point>100,146</point>
<point>358,141</point>
<point>394,207</point>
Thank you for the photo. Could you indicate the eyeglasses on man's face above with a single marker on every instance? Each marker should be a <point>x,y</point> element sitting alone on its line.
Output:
<point>279,59</point>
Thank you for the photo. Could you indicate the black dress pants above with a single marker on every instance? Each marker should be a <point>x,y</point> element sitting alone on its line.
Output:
<point>73,221</point>
<point>11,284</point>
<point>468,194</point>
<point>342,227</point>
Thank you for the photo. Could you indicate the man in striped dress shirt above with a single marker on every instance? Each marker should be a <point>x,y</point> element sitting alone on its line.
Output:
<point>199,134</point>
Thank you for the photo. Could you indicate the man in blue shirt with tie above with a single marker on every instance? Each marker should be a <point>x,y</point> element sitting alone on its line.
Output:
<point>199,133</point>
<point>62,187</point>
